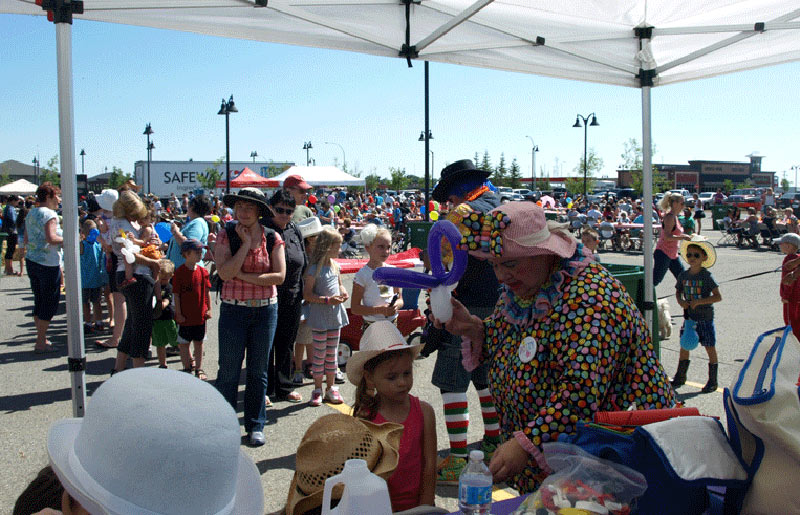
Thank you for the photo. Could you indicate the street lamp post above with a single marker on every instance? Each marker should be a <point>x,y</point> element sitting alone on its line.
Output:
<point>83,154</point>
<point>35,169</point>
<point>433,168</point>
<point>148,131</point>
<point>254,154</point>
<point>586,125</point>
<point>534,149</point>
<point>307,146</point>
<point>344,158</point>
<point>427,139</point>
<point>150,147</point>
<point>226,109</point>
<point>795,167</point>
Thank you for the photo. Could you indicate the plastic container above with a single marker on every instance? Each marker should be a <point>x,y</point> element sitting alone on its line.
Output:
<point>475,487</point>
<point>364,492</point>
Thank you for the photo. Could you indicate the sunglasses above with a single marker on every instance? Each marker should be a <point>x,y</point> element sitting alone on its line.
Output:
<point>693,255</point>
<point>282,211</point>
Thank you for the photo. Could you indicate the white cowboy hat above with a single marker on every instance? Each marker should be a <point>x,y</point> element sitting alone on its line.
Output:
<point>107,198</point>
<point>381,336</point>
<point>156,442</point>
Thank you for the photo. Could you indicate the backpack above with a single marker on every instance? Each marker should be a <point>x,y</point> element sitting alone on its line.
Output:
<point>235,243</point>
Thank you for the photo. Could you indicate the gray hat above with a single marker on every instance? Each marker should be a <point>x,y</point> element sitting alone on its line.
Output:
<point>310,226</point>
<point>790,237</point>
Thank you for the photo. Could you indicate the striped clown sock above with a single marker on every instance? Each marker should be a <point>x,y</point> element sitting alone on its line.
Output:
<point>491,421</point>
<point>456,418</point>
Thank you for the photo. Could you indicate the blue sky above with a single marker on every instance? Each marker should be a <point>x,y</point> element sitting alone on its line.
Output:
<point>125,77</point>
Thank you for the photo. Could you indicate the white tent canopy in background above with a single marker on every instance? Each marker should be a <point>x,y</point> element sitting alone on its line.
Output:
<point>19,187</point>
<point>322,176</point>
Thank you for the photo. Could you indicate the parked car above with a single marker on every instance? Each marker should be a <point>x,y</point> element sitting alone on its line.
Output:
<point>744,195</point>
<point>790,199</point>
<point>506,194</point>
<point>687,197</point>
<point>707,198</point>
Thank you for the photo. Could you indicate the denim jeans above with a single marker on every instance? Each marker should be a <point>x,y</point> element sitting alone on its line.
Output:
<point>251,330</point>
<point>662,263</point>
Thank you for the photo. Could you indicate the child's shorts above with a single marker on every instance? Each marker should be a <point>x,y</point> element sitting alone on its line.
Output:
<point>92,294</point>
<point>705,333</point>
<point>165,332</point>
<point>191,333</point>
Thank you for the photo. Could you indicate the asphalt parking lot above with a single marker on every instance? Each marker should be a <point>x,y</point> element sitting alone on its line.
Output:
<point>36,390</point>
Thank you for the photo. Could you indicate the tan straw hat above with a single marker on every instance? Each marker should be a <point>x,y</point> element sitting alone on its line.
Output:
<point>703,243</point>
<point>381,336</point>
<point>328,443</point>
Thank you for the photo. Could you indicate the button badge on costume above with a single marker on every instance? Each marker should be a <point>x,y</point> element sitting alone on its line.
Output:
<point>527,350</point>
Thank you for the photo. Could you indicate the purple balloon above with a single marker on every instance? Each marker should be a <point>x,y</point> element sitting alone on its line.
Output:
<point>401,278</point>
<point>331,199</point>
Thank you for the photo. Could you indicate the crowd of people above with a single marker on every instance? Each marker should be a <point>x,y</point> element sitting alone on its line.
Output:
<point>542,330</point>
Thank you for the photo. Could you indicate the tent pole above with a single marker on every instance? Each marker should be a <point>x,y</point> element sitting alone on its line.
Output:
<point>72,276</point>
<point>427,148</point>
<point>647,204</point>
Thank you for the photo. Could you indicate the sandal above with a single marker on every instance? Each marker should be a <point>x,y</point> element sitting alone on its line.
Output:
<point>106,345</point>
<point>267,402</point>
<point>200,374</point>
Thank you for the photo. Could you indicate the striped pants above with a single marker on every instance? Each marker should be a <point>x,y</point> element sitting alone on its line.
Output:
<point>326,351</point>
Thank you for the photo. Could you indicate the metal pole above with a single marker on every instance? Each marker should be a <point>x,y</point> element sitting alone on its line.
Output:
<point>227,152</point>
<point>647,204</point>
<point>585,135</point>
<point>148,163</point>
<point>427,147</point>
<point>77,358</point>
<point>535,149</point>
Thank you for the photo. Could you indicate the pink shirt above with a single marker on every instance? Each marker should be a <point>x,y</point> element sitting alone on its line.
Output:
<point>670,247</point>
<point>256,262</point>
<point>404,484</point>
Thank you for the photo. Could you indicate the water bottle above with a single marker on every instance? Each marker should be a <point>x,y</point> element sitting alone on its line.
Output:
<point>475,486</point>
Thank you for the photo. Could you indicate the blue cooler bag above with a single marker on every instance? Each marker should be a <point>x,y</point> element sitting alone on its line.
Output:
<point>680,458</point>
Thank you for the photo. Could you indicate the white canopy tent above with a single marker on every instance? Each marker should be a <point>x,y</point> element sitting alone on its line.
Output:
<point>322,176</point>
<point>634,43</point>
<point>19,187</point>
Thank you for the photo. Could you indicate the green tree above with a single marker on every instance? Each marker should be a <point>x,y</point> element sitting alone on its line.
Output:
<point>118,178</point>
<point>574,185</point>
<point>5,178</point>
<point>514,174</point>
<point>208,179</point>
<point>500,177</point>
<point>49,172</point>
<point>594,163</point>
<point>486,163</point>
<point>398,179</point>
<point>632,158</point>
<point>785,184</point>
<point>727,186</point>
<point>476,160</point>
<point>748,183</point>
<point>372,181</point>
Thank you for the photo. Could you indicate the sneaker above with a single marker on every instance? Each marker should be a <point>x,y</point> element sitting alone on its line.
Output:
<point>333,396</point>
<point>488,449</point>
<point>449,470</point>
<point>316,398</point>
<point>298,379</point>
<point>339,377</point>
<point>257,438</point>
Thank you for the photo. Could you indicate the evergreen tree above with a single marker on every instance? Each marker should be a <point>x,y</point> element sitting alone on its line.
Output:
<point>500,177</point>
<point>486,164</point>
<point>514,175</point>
<point>476,160</point>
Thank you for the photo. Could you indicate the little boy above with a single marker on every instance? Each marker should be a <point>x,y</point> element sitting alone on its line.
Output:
<point>93,277</point>
<point>191,287</point>
<point>165,332</point>
<point>696,291</point>
<point>789,244</point>
<point>591,239</point>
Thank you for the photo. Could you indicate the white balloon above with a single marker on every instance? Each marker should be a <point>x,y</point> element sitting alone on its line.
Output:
<point>440,302</point>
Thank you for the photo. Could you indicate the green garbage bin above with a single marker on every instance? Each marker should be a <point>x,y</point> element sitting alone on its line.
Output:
<point>718,212</point>
<point>632,277</point>
<point>418,234</point>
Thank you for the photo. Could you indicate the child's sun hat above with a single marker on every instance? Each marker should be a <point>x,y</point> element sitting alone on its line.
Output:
<point>790,238</point>
<point>703,243</point>
<point>381,336</point>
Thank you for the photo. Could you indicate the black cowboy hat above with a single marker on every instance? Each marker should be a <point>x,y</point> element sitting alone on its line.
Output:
<point>253,195</point>
<point>455,173</point>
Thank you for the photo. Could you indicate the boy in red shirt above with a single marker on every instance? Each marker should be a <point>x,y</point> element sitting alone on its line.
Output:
<point>191,289</point>
<point>790,288</point>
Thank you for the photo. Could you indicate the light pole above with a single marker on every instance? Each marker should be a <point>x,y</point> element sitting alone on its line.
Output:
<point>534,149</point>
<point>427,139</point>
<point>433,168</point>
<point>226,109</point>
<point>35,169</point>
<point>147,132</point>
<point>344,158</point>
<point>307,146</point>
<point>795,167</point>
<point>150,147</point>
<point>83,154</point>
<point>586,125</point>
<point>254,154</point>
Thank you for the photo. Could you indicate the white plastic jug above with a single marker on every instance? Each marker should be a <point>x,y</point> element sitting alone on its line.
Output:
<point>364,492</point>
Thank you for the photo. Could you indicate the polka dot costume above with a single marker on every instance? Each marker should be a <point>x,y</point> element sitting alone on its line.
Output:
<point>578,347</point>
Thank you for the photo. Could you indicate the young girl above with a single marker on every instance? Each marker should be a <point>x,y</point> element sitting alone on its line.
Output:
<point>665,257</point>
<point>382,373</point>
<point>373,301</point>
<point>148,242</point>
<point>325,294</point>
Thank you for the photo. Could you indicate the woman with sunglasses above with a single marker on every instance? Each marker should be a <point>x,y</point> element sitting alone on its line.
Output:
<point>665,256</point>
<point>290,298</point>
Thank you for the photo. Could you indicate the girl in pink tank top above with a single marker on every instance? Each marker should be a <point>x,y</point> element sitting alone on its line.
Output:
<point>384,378</point>
<point>665,256</point>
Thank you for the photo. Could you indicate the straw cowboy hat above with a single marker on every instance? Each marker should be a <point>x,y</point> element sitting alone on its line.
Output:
<point>254,195</point>
<point>328,443</point>
<point>513,230</point>
<point>703,243</point>
<point>453,174</point>
<point>381,336</point>
<point>156,442</point>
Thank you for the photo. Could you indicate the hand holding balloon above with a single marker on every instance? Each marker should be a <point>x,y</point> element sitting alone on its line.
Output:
<point>442,282</point>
